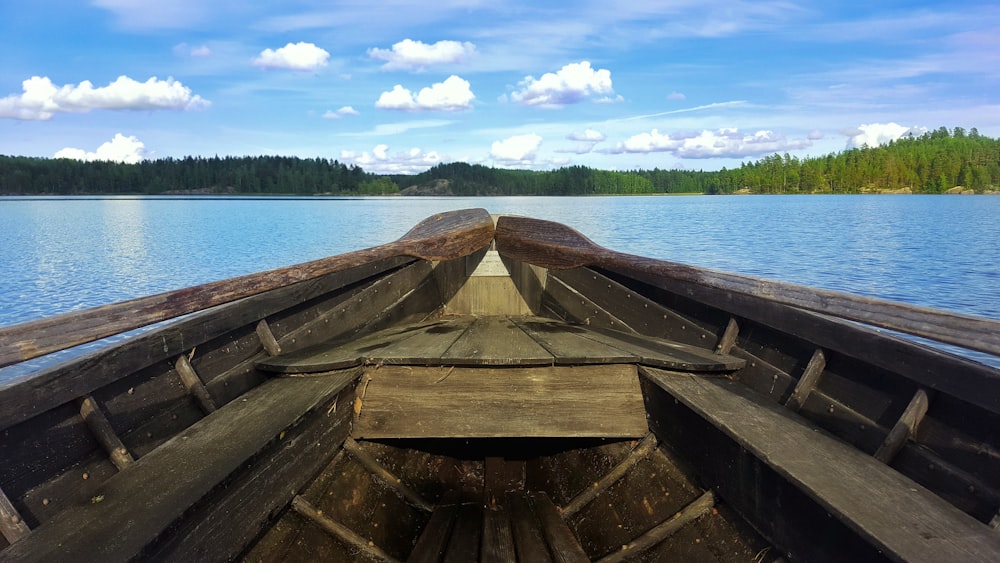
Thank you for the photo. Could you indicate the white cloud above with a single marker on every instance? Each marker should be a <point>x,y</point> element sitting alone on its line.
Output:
<point>588,135</point>
<point>518,148</point>
<point>571,84</point>
<point>676,96</point>
<point>588,139</point>
<point>293,56</point>
<point>722,143</point>
<point>119,149</point>
<point>380,161</point>
<point>41,99</point>
<point>417,55</point>
<point>454,94</point>
<point>875,134</point>
<point>346,110</point>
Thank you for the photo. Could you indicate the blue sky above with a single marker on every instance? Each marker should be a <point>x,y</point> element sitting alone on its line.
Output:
<point>397,87</point>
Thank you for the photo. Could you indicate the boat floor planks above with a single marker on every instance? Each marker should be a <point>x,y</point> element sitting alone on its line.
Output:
<point>469,402</point>
<point>500,341</point>
<point>906,521</point>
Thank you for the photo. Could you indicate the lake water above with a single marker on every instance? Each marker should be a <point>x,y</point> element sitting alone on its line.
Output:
<point>65,254</point>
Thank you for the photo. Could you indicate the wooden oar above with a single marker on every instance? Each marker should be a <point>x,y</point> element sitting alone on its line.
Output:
<point>556,246</point>
<point>441,237</point>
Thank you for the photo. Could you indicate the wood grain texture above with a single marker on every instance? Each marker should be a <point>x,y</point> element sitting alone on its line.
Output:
<point>440,237</point>
<point>556,246</point>
<point>405,402</point>
<point>496,341</point>
<point>895,514</point>
<point>23,398</point>
<point>563,543</point>
<point>132,508</point>
<point>499,341</point>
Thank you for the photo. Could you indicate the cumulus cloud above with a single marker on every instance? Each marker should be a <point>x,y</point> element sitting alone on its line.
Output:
<point>875,134</point>
<point>417,55</point>
<point>571,84</point>
<point>119,149</point>
<point>587,140</point>
<point>722,143</point>
<point>454,94</point>
<point>519,148</point>
<point>676,96</point>
<point>293,56</point>
<point>346,110</point>
<point>380,161</point>
<point>41,99</point>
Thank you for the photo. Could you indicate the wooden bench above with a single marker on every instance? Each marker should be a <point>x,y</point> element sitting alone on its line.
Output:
<point>902,520</point>
<point>132,510</point>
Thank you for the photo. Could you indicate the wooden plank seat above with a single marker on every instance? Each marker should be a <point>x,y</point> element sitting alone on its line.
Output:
<point>500,341</point>
<point>134,508</point>
<point>900,518</point>
<point>525,526</point>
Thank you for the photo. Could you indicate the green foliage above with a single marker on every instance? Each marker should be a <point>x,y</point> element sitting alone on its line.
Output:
<point>229,175</point>
<point>931,163</point>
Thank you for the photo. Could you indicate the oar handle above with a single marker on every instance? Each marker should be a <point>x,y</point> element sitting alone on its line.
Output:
<point>441,237</point>
<point>555,246</point>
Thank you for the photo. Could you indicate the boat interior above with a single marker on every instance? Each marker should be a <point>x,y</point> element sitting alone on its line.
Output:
<point>483,408</point>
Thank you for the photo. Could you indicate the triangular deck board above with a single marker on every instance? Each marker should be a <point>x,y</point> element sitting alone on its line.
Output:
<point>500,341</point>
<point>657,352</point>
<point>569,345</point>
<point>496,341</point>
<point>495,402</point>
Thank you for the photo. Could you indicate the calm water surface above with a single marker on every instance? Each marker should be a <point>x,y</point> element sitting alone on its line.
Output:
<point>60,255</point>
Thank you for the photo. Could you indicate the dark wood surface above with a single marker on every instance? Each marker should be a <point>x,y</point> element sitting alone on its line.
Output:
<point>553,245</point>
<point>893,513</point>
<point>500,341</point>
<point>134,507</point>
<point>414,402</point>
<point>21,400</point>
<point>440,237</point>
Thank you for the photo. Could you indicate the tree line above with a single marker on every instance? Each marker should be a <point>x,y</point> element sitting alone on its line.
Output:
<point>930,163</point>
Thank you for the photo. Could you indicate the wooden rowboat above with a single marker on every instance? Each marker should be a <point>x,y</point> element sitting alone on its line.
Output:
<point>501,389</point>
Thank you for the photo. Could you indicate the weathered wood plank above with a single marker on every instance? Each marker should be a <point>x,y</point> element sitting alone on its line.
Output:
<point>498,540</point>
<point>134,507</point>
<point>890,511</point>
<point>496,341</point>
<point>808,381</point>
<point>658,352</point>
<point>433,541</point>
<point>563,544</point>
<point>464,544</point>
<point>440,237</point>
<point>267,339</point>
<point>404,402</point>
<point>12,526</point>
<point>701,506</point>
<point>194,384</point>
<point>226,521</point>
<point>556,246</point>
<point>105,434</point>
<point>569,346</point>
<point>384,475</point>
<point>23,398</point>
<point>305,508</point>
<point>529,541</point>
<point>904,428</point>
<point>728,338</point>
<point>340,354</point>
<point>642,449</point>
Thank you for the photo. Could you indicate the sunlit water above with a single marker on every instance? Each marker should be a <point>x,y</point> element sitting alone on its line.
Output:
<point>60,255</point>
